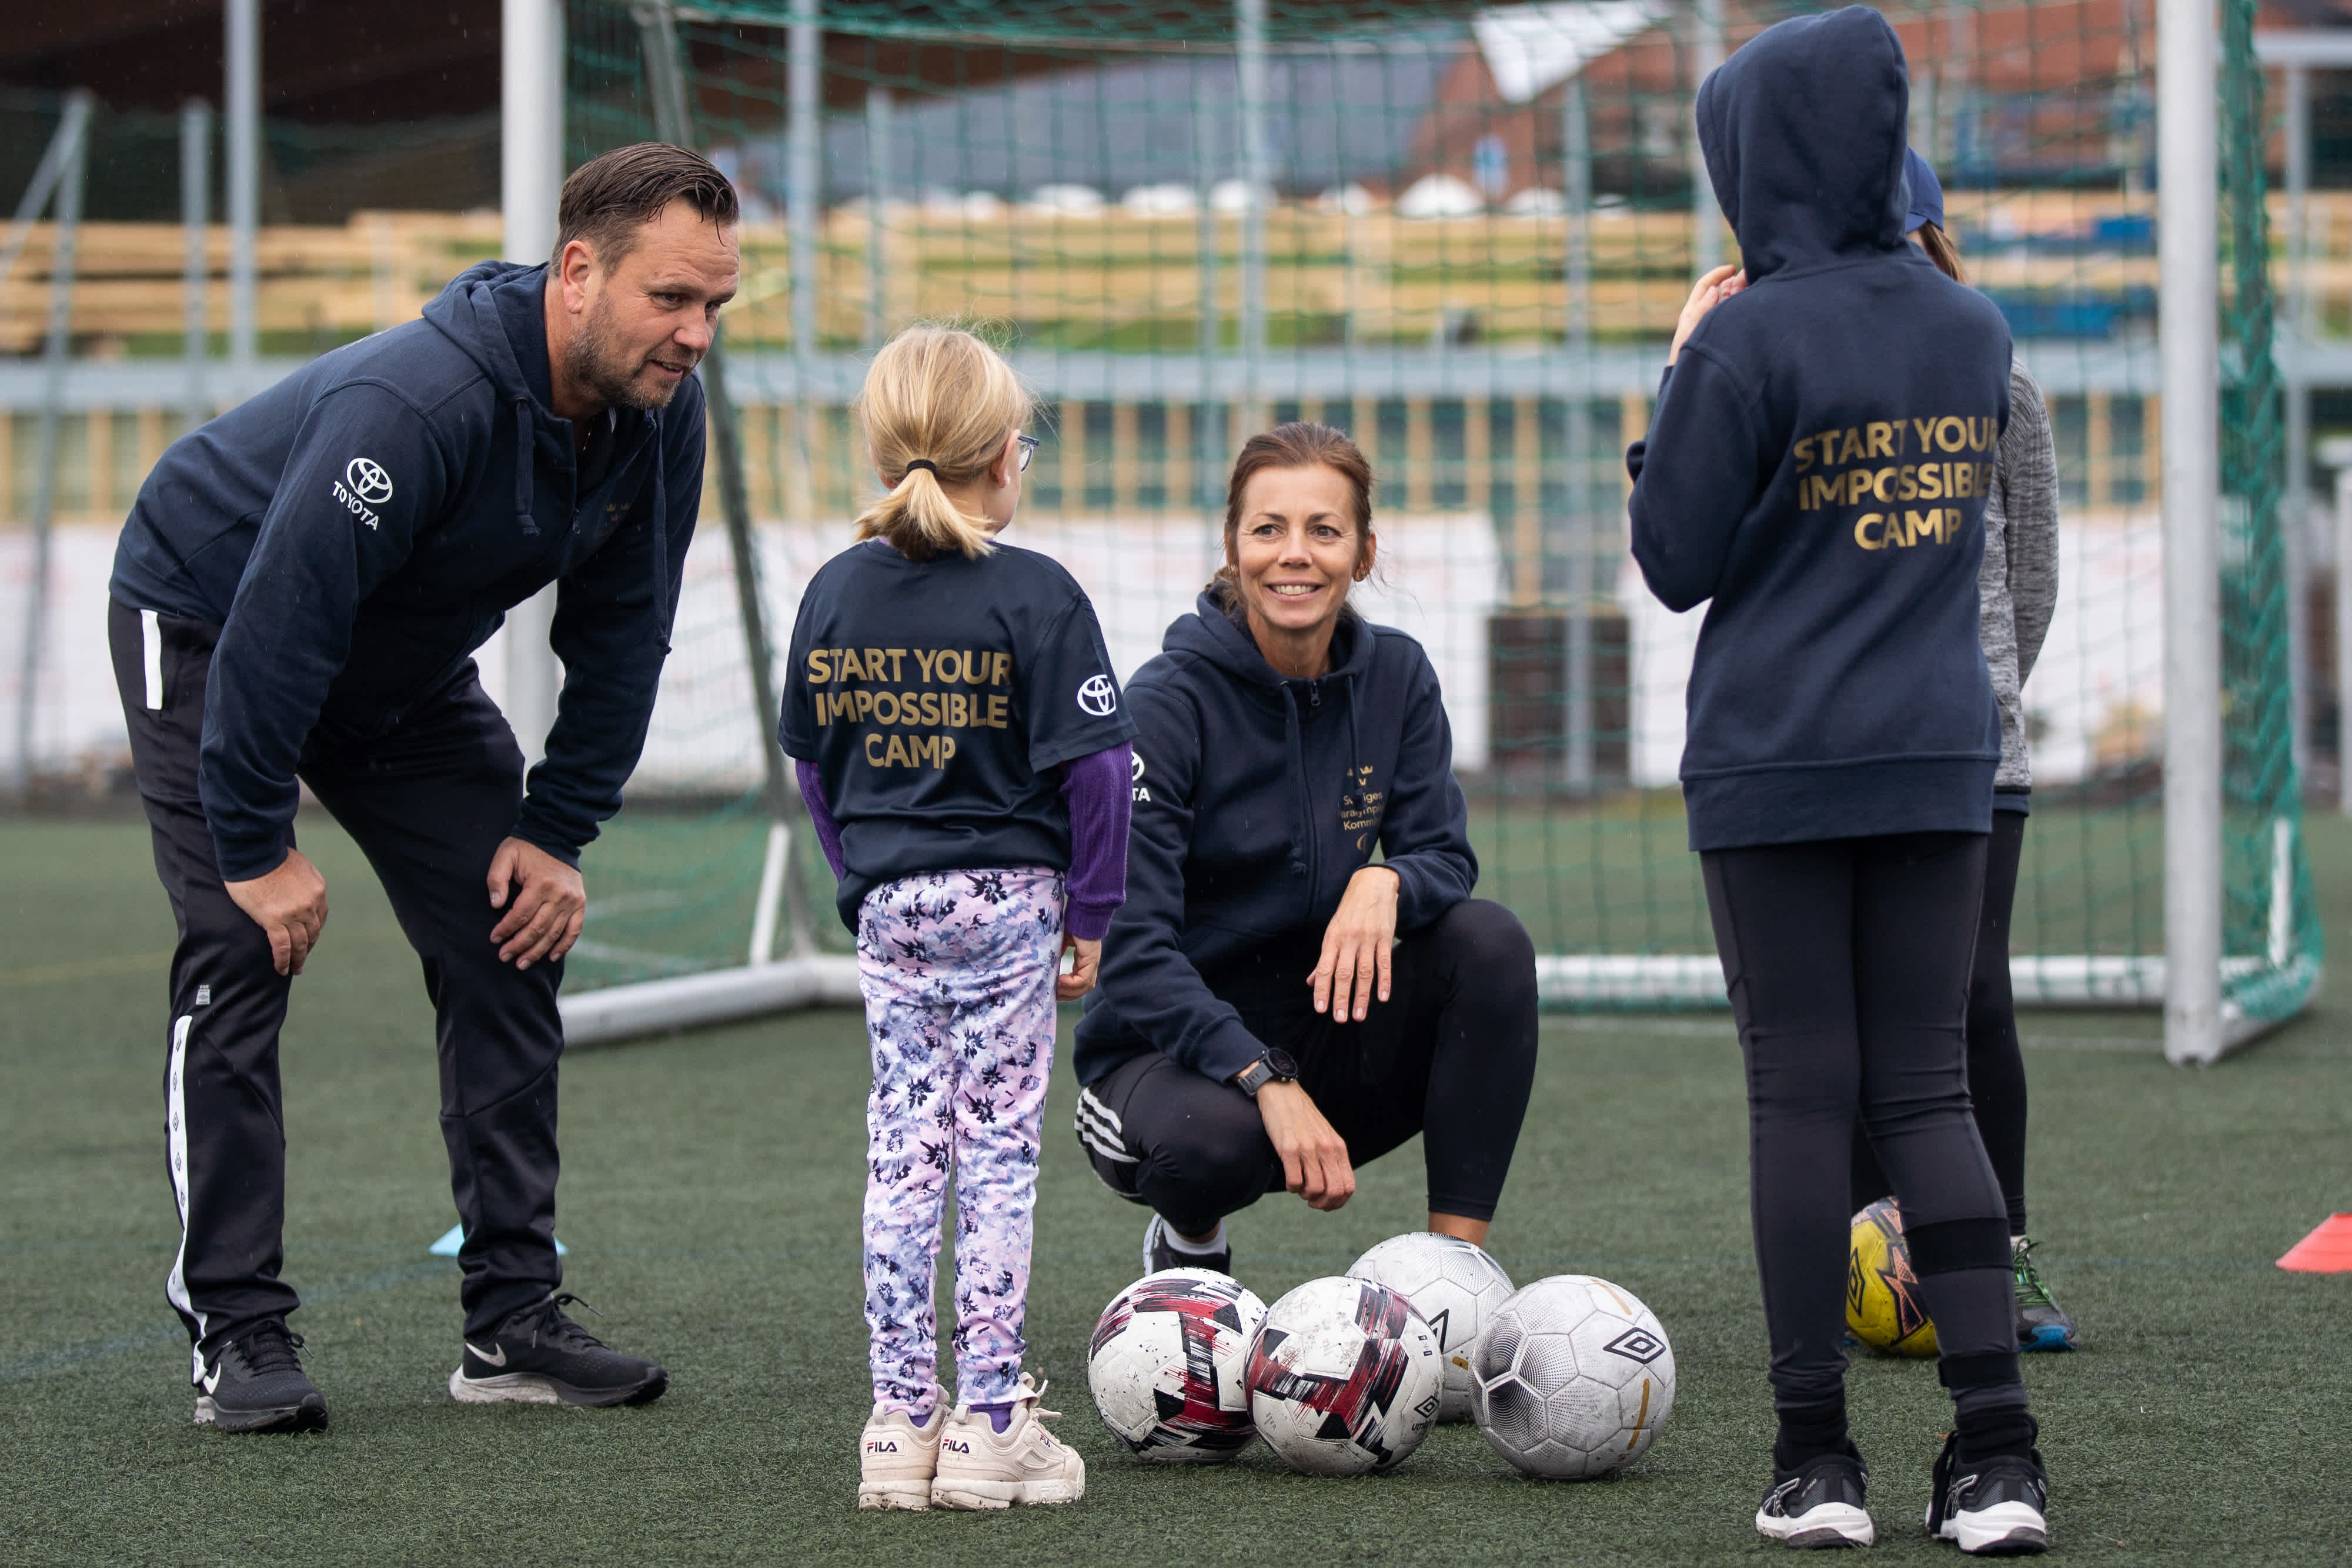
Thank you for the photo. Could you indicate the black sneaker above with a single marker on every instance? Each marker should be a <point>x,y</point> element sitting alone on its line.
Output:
<point>1818,1504</point>
<point>539,1356</point>
<point>1160,1251</point>
<point>2042,1323</point>
<point>254,1383</point>
<point>1990,1510</point>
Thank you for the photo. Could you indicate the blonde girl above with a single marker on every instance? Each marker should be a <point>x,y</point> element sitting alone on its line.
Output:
<point>959,739</point>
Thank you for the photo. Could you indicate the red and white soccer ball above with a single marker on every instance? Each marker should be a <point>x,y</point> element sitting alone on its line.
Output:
<point>1455,1287</point>
<point>1167,1364</point>
<point>1574,1378</point>
<point>1345,1378</point>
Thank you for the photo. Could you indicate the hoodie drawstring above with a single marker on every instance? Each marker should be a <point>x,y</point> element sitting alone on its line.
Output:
<point>526,459</point>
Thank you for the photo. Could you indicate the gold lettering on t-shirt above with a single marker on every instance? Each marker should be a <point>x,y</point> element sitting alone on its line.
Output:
<point>869,686</point>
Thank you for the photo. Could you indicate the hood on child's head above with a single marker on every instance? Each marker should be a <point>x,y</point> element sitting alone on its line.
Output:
<point>1803,133</point>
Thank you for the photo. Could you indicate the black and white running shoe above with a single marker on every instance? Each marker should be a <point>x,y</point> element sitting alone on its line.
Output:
<point>254,1383</point>
<point>1161,1251</point>
<point>1994,1509</point>
<point>539,1356</point>
<point>1818,1504</point>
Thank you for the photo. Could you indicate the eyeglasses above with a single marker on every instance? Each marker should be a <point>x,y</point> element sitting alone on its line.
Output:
<point>1028,450</point>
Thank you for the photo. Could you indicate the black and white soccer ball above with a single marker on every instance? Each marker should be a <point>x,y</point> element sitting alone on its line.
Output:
<point>1574,1378</point>
<point>1167,1364</point>
<point>1455,1287</point>
<point>1345,1378</point>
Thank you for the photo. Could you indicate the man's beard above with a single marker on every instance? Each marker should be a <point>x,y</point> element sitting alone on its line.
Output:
<point>606,371</point>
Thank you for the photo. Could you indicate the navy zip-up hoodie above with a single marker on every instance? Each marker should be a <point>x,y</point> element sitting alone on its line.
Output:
<point>361,528</point>
<point>1818,465</point>
<point>1257,797</point>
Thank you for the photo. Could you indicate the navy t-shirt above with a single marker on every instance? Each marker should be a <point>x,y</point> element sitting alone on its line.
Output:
<point>938,700</point>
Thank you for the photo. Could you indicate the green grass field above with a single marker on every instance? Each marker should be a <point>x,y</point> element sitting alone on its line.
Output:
<point>710,1202</point>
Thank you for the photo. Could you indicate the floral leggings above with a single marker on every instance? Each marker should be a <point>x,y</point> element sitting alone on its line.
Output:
<point>958,971</point>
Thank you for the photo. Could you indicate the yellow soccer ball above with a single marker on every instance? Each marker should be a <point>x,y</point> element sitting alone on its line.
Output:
<point>1883,1306</point>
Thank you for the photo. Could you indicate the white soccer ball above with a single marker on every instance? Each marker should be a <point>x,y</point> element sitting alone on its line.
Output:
<point>1455,1287</point>
<point>1167,1364</point>
<point>1345,1377</point>
<point>1574,1378</point>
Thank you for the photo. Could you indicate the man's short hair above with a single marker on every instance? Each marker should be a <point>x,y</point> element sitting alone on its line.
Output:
<point>608,198</point>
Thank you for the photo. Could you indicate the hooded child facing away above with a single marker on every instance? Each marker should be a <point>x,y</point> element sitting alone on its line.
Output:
<point>1818,466</point>
<point>1824,443</point>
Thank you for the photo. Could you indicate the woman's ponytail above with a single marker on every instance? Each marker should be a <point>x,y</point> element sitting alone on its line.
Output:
<point>937,406</point>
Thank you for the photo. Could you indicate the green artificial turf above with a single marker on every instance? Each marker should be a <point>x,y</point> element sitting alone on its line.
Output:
<point>710,1200</point>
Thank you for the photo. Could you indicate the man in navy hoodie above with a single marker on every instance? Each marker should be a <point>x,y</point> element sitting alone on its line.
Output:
<point>297,598</point>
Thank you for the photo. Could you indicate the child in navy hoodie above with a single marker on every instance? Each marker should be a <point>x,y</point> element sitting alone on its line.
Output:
<point>962,751</point>
<point>1817,469</point>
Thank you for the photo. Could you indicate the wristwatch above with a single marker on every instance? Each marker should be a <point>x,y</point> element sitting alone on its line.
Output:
<point>1274,1065</point>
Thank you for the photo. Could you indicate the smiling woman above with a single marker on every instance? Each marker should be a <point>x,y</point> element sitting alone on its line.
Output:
<point>1276,1008</point>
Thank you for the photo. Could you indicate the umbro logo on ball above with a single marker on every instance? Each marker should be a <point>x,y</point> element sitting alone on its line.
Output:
<point>1637,1344</point>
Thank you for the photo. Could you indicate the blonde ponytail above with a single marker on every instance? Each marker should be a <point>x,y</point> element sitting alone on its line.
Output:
<point>937,406</point>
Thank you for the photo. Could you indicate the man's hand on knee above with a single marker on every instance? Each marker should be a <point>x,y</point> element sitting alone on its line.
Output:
<point>1315,1162</point>
<point>289,904</point>
<point>549,902</point>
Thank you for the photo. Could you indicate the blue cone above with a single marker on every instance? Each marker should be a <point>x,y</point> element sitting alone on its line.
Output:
<point>455,1237</point>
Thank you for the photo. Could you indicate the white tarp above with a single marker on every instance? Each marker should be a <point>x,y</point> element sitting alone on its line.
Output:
<point>1438,579</point>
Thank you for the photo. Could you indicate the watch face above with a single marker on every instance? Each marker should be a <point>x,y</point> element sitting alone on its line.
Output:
<point>1280,1060</point>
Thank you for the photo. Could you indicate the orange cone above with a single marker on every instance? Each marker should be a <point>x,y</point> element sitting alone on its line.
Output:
<point>2326,1250</point>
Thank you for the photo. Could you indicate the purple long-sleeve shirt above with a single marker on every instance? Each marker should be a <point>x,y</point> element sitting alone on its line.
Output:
<point>1097,790</point>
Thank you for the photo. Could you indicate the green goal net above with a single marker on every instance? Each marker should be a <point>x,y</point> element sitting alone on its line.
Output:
<point>1461,233</point>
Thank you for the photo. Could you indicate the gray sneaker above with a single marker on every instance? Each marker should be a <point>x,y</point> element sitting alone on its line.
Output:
<point>540,1356</point>
<point>254,1383</point>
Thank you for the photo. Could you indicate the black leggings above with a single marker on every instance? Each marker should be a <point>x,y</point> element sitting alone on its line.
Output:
<point>1451,1055</point>
<point>1996,1065</point>
<point>1847,963</point>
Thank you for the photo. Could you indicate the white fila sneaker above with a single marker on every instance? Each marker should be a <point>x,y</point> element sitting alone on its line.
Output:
<point>896,1458</point>
<point>982,1468</point>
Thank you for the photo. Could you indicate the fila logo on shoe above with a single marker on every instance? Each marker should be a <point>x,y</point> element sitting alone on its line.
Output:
<point>498,1360</point>
<point>954,1447</point>
<point>880,1445</point>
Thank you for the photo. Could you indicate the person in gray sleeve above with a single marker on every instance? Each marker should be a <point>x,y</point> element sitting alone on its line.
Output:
<point>2019,584</point>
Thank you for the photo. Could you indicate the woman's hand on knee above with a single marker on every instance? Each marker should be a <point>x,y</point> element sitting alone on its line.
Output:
<point>1315,1161</point>
<point>1357,945</point>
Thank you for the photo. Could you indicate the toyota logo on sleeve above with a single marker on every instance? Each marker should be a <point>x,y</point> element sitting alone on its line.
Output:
<point>368,480</point>
<point>1098,696</point>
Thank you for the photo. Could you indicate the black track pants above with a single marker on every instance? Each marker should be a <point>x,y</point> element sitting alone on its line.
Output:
<point>1847,963</point>
<point>428,803</point>
<point>1451,1055</point>
<point>1996,1064</point>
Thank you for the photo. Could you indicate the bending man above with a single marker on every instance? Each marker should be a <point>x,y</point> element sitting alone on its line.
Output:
<point>298,596</point>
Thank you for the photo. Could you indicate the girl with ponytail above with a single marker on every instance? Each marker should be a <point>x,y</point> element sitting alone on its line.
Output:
<point>959,740</point>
